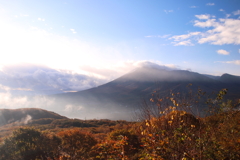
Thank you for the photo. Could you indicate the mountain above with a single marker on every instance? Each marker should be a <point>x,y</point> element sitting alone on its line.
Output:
<point>23,115</point>
<point>116,99</point>
<point>227,78</point>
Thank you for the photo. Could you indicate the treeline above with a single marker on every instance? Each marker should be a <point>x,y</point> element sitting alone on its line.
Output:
<point>66,123</point>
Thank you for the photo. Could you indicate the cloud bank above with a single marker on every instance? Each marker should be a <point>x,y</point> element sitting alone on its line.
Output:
<point>44,80</point>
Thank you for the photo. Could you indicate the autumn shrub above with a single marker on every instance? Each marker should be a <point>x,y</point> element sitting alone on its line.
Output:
<point>120,144</point>
<point>76,144</point>
<point>131,143</point>
<point>29,144</point>
<point>107,149</point>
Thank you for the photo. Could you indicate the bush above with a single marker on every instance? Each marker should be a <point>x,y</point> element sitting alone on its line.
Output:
<point>76,144</point>
<point>29,144</point>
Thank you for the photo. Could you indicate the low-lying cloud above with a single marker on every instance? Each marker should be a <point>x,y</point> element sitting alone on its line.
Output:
<point>10,101</point>
<point>42,79</point>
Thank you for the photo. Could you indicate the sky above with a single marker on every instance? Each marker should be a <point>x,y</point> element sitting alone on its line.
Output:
<point>73,45</point>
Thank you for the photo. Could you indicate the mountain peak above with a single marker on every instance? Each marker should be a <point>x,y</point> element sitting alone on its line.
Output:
<point>228,78</point>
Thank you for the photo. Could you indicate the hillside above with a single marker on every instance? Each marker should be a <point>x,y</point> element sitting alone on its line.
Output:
<point>24,115</point>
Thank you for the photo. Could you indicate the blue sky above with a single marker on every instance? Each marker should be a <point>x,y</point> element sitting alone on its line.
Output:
<point>108,38</point>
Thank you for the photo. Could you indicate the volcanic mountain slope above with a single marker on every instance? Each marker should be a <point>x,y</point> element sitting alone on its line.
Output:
<point>23,115</point>
<point>125,93</point>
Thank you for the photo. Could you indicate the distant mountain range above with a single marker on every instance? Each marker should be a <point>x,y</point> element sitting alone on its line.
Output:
<point>116,99</point>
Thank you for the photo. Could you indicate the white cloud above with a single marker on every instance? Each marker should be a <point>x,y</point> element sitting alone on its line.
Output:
<point>207,23</point>
<point>203,16</point>
<point>183,43</point>
<point>184,36</point>
<point>223,52</point>
<point>236,12</point>
<point>210,4</point>
<point>152,64</point>
<point>73,31</point>
<point>219,31</point>
<point>4,88</point>
<point>236,62</point>
<point>222,10</point>
<point>225,31</point>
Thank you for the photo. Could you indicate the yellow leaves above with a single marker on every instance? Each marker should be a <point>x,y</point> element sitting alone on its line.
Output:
<point>152,100</point>
<point>174,102</point>
<point>182,113</point>
<point>147,124</point>
<point>162,112</point>
<point>170,122</point>
<point>160,100</point>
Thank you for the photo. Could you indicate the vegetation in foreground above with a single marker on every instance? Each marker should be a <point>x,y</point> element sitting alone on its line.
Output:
<point>170,129</point>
